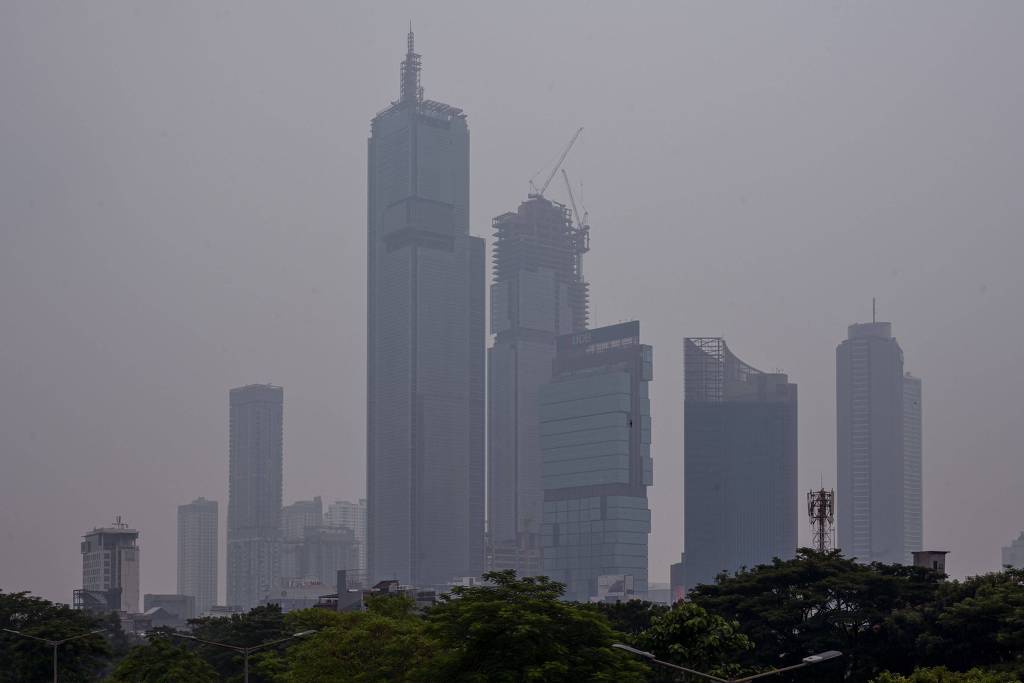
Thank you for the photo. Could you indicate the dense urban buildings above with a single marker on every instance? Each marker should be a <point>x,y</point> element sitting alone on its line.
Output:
<point>254,492</point>
<point>110,569</point>
<point>182,607</point>
<point>538,294</point>
<point>197,553</point>
<point>295,520</point>
<point>878,446</point>
<point>425,344</point>
<point>740,463</point>
<point>595,437</point>
<point>1013,554</point>
<point>343,513</point>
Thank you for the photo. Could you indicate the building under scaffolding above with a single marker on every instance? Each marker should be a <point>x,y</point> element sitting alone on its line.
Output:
<point>538,293</point>
<point>740,463</point>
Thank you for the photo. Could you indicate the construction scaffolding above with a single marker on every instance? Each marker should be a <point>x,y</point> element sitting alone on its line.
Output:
<point>821,509</point>
<point>708,365</point>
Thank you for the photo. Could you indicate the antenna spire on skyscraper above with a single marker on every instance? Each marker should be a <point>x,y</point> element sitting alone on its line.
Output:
<point>411,91</point>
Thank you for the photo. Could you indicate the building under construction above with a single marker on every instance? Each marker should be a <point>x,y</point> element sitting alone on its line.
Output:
<point>538,292</point>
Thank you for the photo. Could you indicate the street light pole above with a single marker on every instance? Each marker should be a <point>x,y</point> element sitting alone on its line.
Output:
<point>807,661</point>
<point>246,651</point>
<point>54,643</point>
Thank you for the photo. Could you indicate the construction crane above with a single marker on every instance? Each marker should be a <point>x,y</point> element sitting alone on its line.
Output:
<point>580,222</point>
<point>558,164</point>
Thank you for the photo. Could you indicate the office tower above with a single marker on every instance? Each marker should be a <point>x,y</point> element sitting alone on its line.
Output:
<point>425,344</point>
<point>110,566</point>
<point>254,493</point>
<point>913,533</point>
<point>352,516</point>
<point>1013,554</point>
<point>197,552</point>
<point>538,294</point>
<point>325,550</point>
<point>878,439</point>
<point>299,516</point>
<point>739,462</point>
<point>595,438</point>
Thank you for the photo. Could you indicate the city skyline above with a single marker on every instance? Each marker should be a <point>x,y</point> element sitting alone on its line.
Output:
<point>224,244</point>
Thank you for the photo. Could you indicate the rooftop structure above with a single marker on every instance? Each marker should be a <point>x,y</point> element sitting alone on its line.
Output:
<point>110,569</point>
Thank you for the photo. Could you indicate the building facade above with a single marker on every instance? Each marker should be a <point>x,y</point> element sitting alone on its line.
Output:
<point>110,566</point>
<point>913,490</point>
<point>740,463</point>
<point>343,513</point>
<point>425,344</point>
<point>595,438</point>
<point>256,447</point>
<point>197,553</point>
<point>1013,554</point>
<point>538,293</point>
<point>878,447</point>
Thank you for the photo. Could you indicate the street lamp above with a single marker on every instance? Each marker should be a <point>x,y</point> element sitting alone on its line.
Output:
<point>54,643</point>
<point>246,651</point>
<point>806,661</point>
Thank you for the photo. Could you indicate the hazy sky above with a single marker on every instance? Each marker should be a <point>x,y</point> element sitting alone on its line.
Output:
<point>183,210</point>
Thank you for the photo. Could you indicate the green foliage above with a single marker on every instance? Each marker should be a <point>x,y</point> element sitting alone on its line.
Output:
<point>386,643</point>
<point>161,661</point>
<point>258,625</point>
<point>689,636</point>
<point>518,630</point>
<point>944,675</point>
<point>631,617</point>
<point>23,659</point>
<point>822,601</point>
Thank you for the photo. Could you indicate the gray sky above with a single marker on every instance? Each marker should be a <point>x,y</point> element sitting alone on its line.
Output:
<point>183,210</point>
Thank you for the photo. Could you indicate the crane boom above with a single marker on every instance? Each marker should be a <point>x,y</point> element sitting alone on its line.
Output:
<point>572,199</point>
<point>558,164</point>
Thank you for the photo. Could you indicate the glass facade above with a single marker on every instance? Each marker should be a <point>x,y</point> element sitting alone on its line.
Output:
<point>595,436</point>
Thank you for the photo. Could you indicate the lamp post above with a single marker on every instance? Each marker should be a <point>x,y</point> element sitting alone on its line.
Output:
<point>807,661</point>
<point>54,643</point>
<point>246,651</point>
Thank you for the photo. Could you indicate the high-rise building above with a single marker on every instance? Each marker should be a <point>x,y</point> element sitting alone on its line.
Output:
<point>913,503</point>
<point>538,294</point>
<point>1013,554</point>
<point>343,513</point>
<point>254,493</point>
<point>740,463</point>
<point>299,516</point>
<point>197,552</point>
<point>595,437</point>
<point>110,566</point>
<point>425,344</point>
<point>878,448</point>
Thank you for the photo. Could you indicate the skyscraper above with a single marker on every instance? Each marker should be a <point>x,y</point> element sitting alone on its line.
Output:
<point>343,513</point>
<point>595,436</point>
<point>197,552</point>
<point>913,512</point>
<point>110,567</point>
<point>878,419</point>
<point>425,344</point>
<point>254,493</point>
<point>295,520</point>
<point>740,463</point>
<point>538,293</point>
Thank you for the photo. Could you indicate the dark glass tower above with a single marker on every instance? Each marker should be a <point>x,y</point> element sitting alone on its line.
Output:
<point>538,293</point>
<point>254,493</point>
<point>425,344</point>
<point>740,463</point>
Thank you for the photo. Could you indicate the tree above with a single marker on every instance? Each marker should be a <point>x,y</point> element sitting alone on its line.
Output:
<point>161,661</point>
<point>386,643</point>
<point>258,625</point>
<point>519,630</point>
<point>822,601</point>
<point>630,617</point>
<point>23,659</point>
<point>944,675</point>
<point>687,635</point>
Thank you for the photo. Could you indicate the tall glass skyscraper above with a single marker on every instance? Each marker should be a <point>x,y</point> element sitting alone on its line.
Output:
<point>425,344</point>
<point>595,436</point>
<point>254,493</point>
<point>197,552</point>
<point>740,463</point>
<point>538,293</point>
<point>878,445</point>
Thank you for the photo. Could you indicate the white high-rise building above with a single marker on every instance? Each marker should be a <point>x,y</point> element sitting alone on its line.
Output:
<point>197,552</point>
<point>110,563</point>
<point>352,516</point>
<point>913,510</point>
